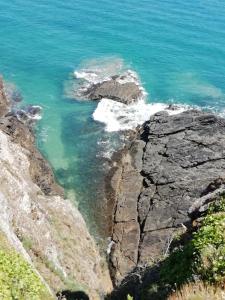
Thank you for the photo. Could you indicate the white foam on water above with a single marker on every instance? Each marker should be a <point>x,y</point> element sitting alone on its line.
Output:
<point>98,70</point>
<point>106,149</point>
<point>35,116</point>
<point>118,117</point>
<point>29,115</point>
<point>87,75</point>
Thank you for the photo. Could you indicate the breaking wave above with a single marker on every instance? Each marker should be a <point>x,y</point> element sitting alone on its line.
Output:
<point>118,117</point>
<point>29,115</point>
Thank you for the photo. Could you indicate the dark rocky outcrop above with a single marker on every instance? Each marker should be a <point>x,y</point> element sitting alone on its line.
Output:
<point>113,89</point>
<point>164,175</point>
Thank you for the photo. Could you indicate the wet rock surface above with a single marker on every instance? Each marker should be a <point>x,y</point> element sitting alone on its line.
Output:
<point>162,178</point>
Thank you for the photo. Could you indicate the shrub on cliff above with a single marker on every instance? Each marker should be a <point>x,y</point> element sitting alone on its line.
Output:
<point>204,255</point>
<point>18,281</point>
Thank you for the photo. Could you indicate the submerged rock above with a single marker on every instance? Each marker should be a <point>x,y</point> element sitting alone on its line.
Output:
<point>158,180</point>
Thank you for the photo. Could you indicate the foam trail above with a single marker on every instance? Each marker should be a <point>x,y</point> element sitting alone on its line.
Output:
<point>118,117</point>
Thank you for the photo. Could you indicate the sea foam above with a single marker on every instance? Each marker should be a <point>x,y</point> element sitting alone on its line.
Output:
<point>118,117</point>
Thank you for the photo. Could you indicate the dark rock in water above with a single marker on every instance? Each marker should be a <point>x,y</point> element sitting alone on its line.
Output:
<point>163,176</point>
<point>126,93</point>
<point>29,114</point>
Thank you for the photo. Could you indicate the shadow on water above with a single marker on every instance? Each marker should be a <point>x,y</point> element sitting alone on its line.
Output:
<point>68,295</point>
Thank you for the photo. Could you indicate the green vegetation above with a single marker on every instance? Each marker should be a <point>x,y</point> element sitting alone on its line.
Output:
<point>209,244</point>
<point>202,257</point>
<point>18,280</point>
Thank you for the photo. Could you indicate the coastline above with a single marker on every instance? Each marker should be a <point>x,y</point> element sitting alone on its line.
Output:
<point>158,184</point>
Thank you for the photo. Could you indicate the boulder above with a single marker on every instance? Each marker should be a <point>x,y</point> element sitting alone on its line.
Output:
<point>125,93</point>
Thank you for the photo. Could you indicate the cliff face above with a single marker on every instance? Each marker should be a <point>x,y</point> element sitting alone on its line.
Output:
<point>47,229</point>
<point>160,176</point>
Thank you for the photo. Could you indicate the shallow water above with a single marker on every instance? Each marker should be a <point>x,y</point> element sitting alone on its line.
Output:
<point>176,47</point>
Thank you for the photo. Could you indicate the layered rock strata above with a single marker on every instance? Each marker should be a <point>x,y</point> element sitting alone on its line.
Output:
<point>164,175</point>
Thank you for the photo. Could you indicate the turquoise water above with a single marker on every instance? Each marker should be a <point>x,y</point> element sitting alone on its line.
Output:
<point>177,48</point>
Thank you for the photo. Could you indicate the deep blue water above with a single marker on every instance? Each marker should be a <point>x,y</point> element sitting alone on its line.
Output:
<point>177,47</point>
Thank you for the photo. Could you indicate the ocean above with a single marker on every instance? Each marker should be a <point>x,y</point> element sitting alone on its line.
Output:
<point>175,48</point>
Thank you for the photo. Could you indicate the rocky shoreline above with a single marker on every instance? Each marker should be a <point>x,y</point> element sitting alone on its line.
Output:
<point>160,183</point>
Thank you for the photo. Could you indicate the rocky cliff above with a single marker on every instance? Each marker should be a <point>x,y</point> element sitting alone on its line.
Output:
<point>158,180</point>
<point>44,227</point>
